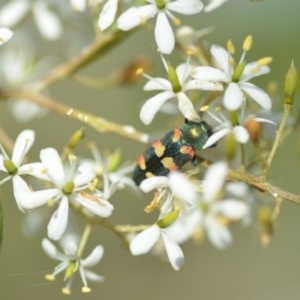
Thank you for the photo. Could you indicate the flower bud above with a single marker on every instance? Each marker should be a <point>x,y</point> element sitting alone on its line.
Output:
<point>290,85</point>
<point>168,219</point>
<point>267,224</point>
<point>254,129</point>
<point>230,146</point>
<point>10,167</point>
<point>173,78</point>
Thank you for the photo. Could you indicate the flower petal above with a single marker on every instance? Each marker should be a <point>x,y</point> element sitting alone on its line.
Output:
<point>13,12</point>
<point>182,187</point>
<point>78,5</point>
<point>218,234</point>
<point>134,16</point>
<point>34,169</point>
<point>203,85</point>
<point>5,35</point>
<point>84,175</point>
<point>213,4</point>
<point>22,145</point>
<point>174,252</point>
<point>257,94</point>
<point>59,220</point>
<point>53,165</point>
<point>154,182</point>
<point>186,7</point>
<point>241,134</point>
<point>213,180</point>
<point>47,22</point>
<point>107,14</point>
<point>152,106</point>
<point>52,251</point>
<point>254,69</point>
<point>209,73</point>
<point>26,199</point>
<point>94,257</point>
<point>163,33</point>
<point>187,108</point>
<point>215,137</point>
<point>222,59</point>
<point>144,241</point>
<point>158,83</point>
<point>233,97</point>
<point>231,208</point>
<point>95,205</point>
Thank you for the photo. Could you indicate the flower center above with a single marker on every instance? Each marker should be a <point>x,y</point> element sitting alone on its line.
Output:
<point>168,219</point>
<point>174,80</point>
<point>10,167</point>
<point>160,4</point>
<point>238,72</point>
<point>68,188</point>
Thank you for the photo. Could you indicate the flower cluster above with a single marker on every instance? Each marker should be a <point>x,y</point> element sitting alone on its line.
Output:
<point>68,185</point>
<point>207,87</point>
<point>184,211</point>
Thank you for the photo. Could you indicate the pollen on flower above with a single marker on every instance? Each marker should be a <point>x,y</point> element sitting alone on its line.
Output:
<point>50,277</point>
<point>230,47</point>
<point>86,289</point>
<point>176,21</point>
<point>265,61</point>
<point>139,71</point>
<point>66,291</point>
<point>204,108</point>
<point>190,52</point>
<point>248,43</point>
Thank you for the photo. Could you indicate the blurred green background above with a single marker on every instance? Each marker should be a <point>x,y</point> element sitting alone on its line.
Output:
<point>245,271</point>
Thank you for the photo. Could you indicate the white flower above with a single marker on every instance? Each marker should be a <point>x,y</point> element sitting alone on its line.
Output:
<point>143,242</point>
<point>163,32</point>
<point>18,66</point>
<point>13,166</point>
<point>5,35</point>
<point>238,130</point>
<point>176,86</point>
<point>210,212</point>
<point>70,263</point>
<point>236,77</point>
<point>67,187</point>
<point>46,21</point>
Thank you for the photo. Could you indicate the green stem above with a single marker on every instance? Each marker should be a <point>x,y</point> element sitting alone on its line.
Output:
<point>98,123</point>
<point>100,46</point>
<point>278,139</point>
<point>264,186</point>
<point>84,239</point>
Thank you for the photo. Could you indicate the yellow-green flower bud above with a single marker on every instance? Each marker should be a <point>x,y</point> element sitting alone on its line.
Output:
<point>238,72</point>
<point>10,167</point>
<point>68,188</point>
<point>168,219</point>
<point>70,270</point>
<point>290,85</point>
<point>114,160</point>
<point>173,78</point>
<point>160,4</point>
<point>76,137</point>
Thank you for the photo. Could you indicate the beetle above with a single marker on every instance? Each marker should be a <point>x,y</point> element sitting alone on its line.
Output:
<point>173,151</point>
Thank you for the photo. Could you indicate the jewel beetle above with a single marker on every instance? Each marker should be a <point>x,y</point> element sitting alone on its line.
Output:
<point>173,151</point>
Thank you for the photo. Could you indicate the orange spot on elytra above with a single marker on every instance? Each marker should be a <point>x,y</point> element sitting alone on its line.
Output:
<point>159,148</point>
<point>169,164</point>
<point>177,135</point>
<point>141,162</point>
<point>187,150</point>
